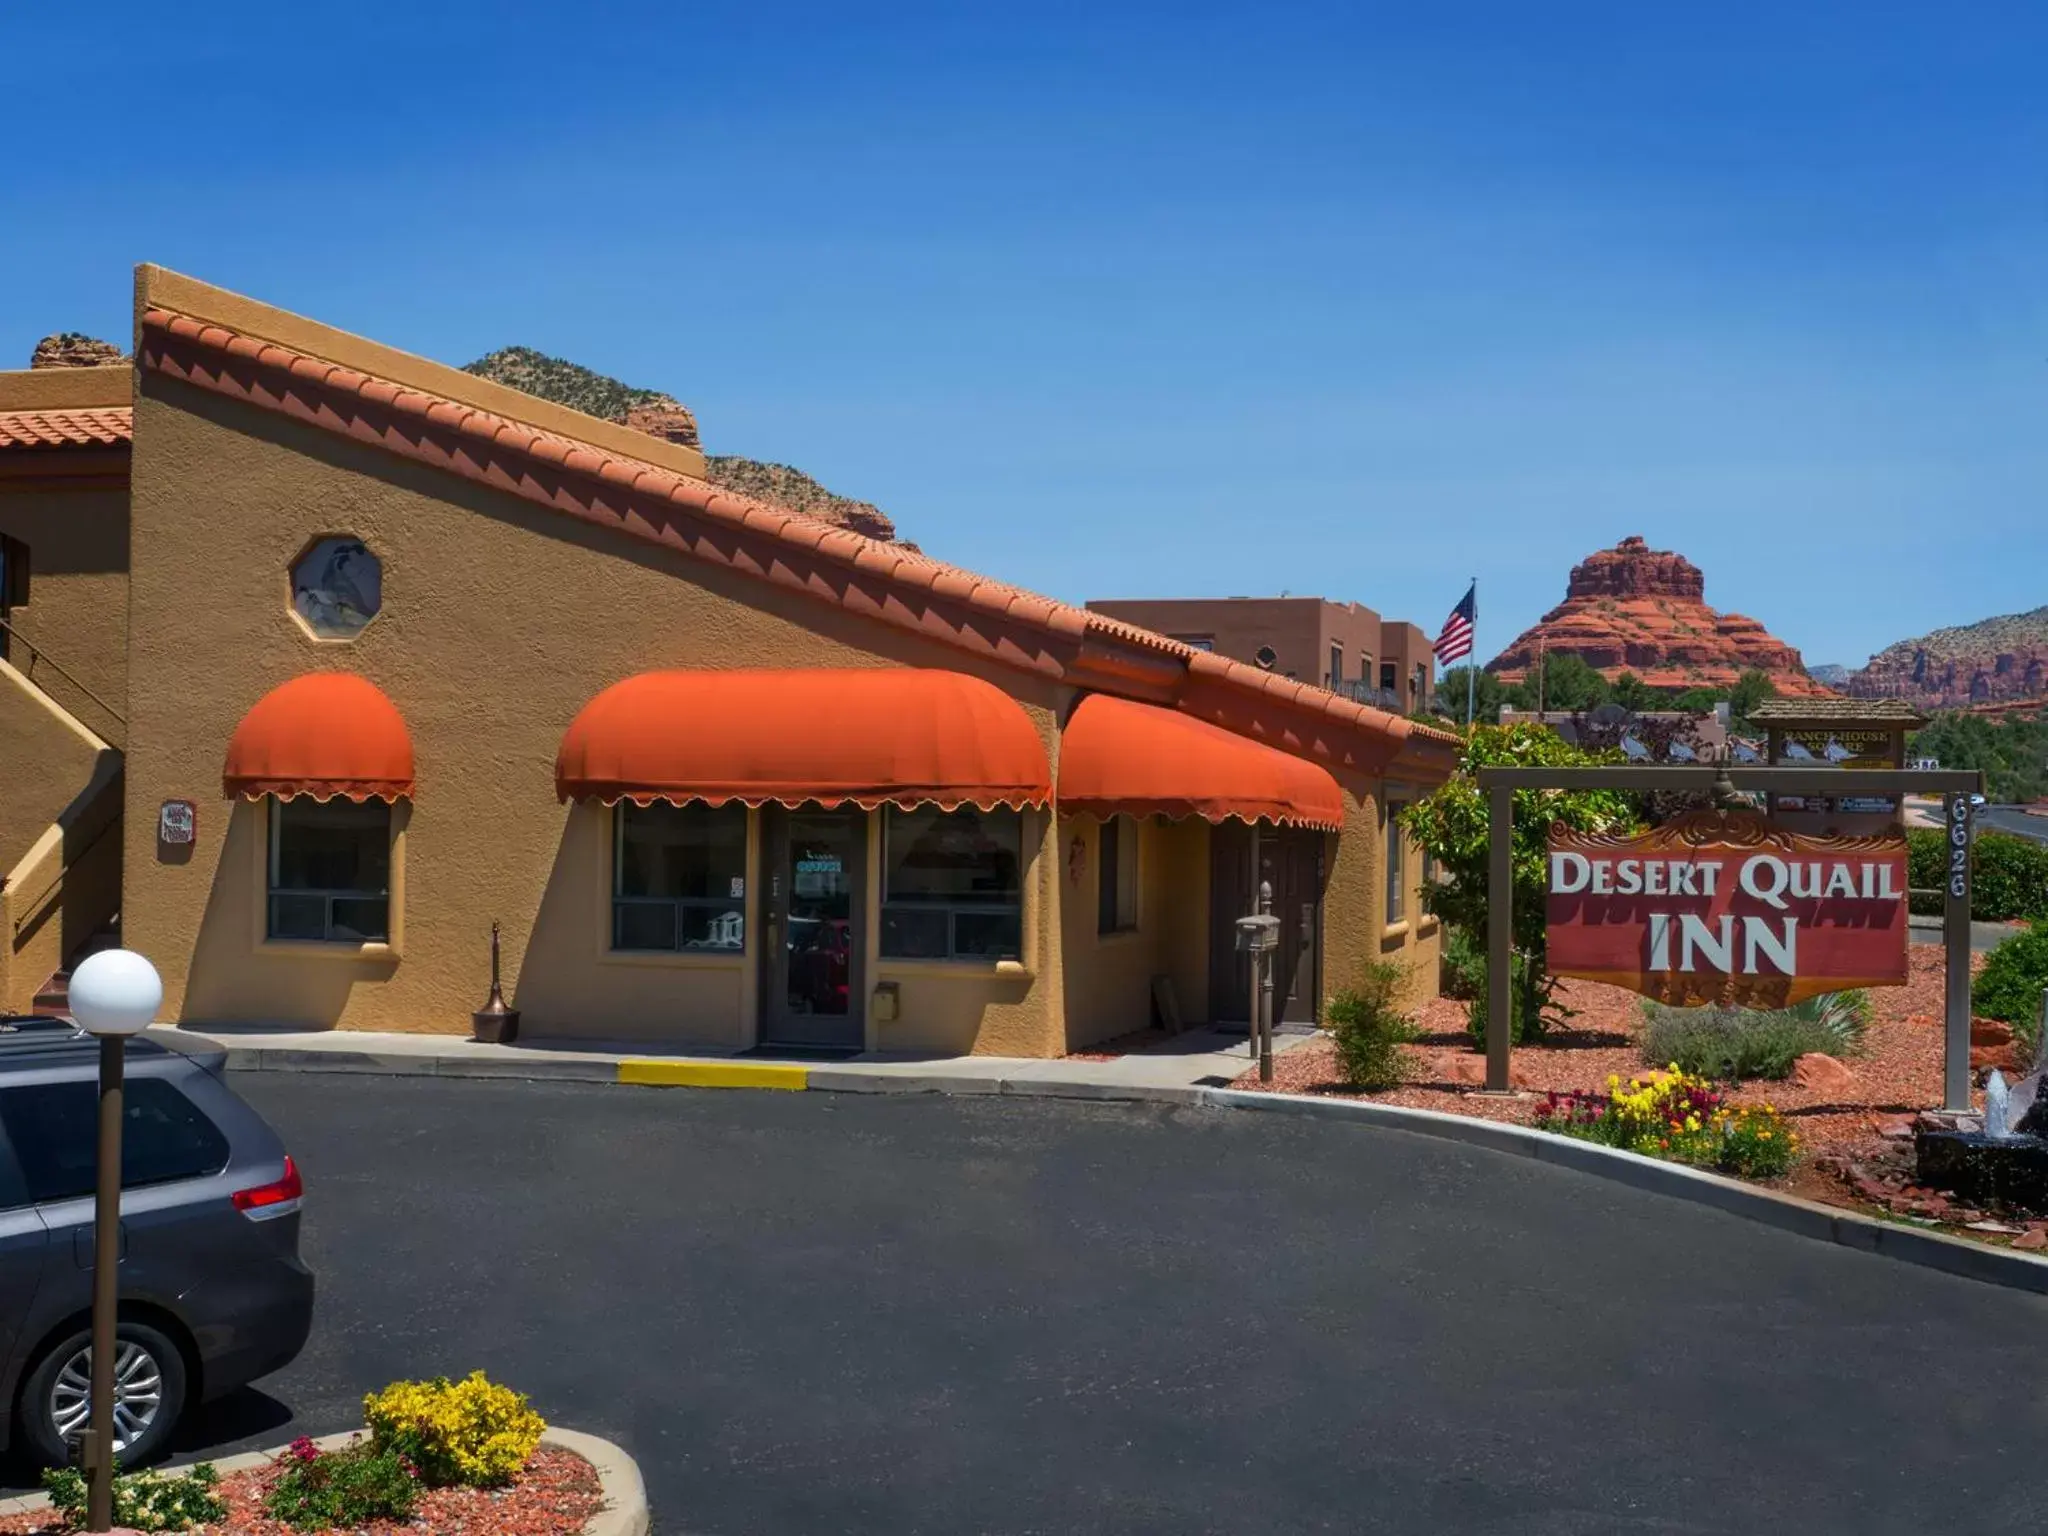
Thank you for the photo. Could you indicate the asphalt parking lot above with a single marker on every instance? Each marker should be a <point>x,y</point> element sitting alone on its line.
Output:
<point>836,1313</point>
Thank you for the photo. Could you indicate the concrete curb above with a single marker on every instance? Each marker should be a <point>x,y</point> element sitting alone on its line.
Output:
<point>624,1513</point>
<point>1806,1218</point>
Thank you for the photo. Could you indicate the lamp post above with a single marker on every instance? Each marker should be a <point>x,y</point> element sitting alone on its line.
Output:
<point>114,994</point>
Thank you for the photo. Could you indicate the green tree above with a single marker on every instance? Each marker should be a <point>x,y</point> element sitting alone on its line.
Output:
<point>1750,690</point>
<point>1564,681</point>
<point>1487,692</point>
<point>2012,754</point>
<point>1699,701</point>
<point>1631,692</point>
<point>1452,825</point>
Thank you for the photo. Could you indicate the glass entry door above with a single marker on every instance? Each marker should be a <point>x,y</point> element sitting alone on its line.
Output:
<point>814,924</point>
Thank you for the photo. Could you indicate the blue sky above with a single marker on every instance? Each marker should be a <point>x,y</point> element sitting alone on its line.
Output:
<point>1164,300</point>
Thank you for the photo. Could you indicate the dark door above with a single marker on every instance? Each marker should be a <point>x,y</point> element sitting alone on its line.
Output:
<point>1291,860</point>
<point>815,927</point>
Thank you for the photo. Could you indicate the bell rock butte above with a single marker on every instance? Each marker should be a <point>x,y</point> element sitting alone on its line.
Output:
<point>1642,610</point>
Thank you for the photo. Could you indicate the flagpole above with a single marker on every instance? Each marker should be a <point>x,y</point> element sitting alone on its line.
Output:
<point>1471,682</point>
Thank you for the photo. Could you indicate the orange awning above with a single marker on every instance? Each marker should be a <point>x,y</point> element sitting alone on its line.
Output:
<point>1121,757</point>
<point>867,736</point>
<point>325,734</point>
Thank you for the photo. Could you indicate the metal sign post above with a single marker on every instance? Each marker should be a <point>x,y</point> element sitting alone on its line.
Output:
<point>1258,938</point>
<point>1955,934</point>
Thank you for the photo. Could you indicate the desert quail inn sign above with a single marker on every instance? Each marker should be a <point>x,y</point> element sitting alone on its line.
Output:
<point>1723,907</point>
<point>1729,906</point>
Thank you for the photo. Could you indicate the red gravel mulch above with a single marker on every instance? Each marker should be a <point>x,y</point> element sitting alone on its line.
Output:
<point>554,1495</point>
<point>1897,1072</point>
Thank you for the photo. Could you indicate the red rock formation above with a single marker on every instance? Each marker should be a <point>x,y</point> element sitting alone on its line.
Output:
<point>665,418</point>
<point>72,349</point>
<point>1636,609</point>
<point>1997,661</point>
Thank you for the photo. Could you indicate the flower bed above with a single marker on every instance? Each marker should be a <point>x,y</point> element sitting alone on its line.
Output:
<point>441,1459</point>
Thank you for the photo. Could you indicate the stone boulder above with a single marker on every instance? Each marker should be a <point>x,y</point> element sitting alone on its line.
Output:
<point>1818,1072</point>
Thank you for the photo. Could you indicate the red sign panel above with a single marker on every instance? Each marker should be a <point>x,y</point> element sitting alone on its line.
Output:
<point>1723,907</point>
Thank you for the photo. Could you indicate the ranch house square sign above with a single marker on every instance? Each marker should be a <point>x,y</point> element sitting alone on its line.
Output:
<point>1724,907</point>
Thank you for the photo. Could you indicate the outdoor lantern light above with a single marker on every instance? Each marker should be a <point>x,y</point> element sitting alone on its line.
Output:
<point>114,994</point>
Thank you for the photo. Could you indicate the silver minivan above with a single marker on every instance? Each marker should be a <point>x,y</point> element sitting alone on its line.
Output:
<point>213,1294</point>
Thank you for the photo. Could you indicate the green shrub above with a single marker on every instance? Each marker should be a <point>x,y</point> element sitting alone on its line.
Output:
<point>1727,1044</point>
<point>1463,971</point>
<point>319,1490</point>
<point>2009,987</point>
<point>144,1501</point>
<point>1527,1018</point>
<point>1370,1027</point>
<point>2008,874</point>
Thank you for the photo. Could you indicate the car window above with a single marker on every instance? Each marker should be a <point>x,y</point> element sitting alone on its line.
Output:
<point>55,1131</point>
<point>13,1191</point>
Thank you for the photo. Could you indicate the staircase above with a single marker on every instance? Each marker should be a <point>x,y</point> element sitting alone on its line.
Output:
<point>60,846</point>
<point>54,996</point>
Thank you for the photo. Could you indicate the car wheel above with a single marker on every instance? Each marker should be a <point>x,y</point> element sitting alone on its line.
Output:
<point>149,1395</point>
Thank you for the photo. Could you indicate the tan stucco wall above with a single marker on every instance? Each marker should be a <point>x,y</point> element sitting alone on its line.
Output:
<point>77,610</point>
<point>64,888</point>
<point>500,621</point>
<point>1108,976</point>
<point>1356,931</point>
<point>46,758</point>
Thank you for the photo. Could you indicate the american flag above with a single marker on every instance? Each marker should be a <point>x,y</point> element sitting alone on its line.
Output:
<point>1456,639</point>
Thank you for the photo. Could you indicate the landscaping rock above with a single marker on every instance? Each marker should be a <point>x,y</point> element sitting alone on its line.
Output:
<point>2031,1239</point>
<point>1893,1127</point>
<point>1990,1032</point>
<point>2005,1058</point>
<point>1467,1069</point>
<point>1819,1072</point>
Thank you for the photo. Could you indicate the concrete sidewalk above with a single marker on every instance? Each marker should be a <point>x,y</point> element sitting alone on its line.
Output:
<point>1196,1058</point>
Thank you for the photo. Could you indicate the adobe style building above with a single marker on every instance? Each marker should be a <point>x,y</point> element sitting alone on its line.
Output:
<point>323,658</point>
<point>1346,647</point>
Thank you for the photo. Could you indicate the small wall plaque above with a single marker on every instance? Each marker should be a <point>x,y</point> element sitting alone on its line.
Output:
<point>177,822</point>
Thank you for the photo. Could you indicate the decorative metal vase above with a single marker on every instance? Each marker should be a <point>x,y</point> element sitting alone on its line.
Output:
<point>494,1023</point>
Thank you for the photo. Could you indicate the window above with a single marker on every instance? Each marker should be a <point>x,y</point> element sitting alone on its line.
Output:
<point>55,1130</point>
<point>1196,642</point>
<point>950,888</point>
<point>679,877</point>
<point>1390,676</point>
<point>1116,901</point>
<point>1266,656</point>
<point>1336,668</point>
<point>337,587</point>
<point>1396,841</point>
<point>330,870</point>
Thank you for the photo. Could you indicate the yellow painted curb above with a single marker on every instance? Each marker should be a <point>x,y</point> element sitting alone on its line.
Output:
<point>713,1074</point>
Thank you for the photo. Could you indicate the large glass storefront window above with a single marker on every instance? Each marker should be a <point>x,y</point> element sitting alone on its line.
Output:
<point>330,870</point>
<point>950,884</point>
<point>679,877</point>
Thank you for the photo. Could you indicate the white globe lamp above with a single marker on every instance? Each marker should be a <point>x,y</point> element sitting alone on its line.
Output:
<point>115,992</point>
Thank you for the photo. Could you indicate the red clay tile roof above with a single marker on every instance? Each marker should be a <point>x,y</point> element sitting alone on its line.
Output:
<point>96,427</point>
<point>887,582</point>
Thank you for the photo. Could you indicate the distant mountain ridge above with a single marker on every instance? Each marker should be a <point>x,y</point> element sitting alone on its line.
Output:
<point>1993,660</point>
<point>662,415</point>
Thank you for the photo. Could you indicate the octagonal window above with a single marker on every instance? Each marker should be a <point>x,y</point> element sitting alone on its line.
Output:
<point>337,587</point>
